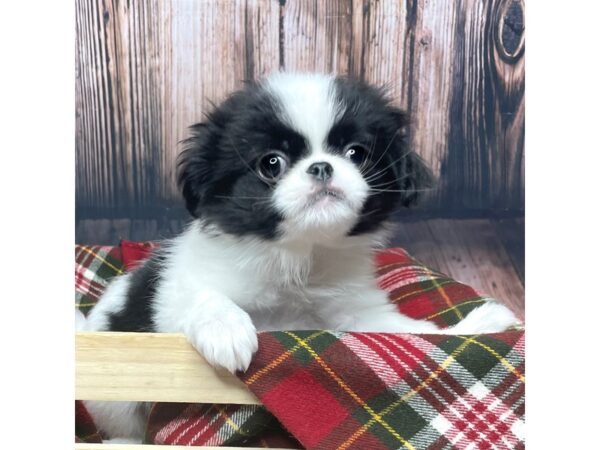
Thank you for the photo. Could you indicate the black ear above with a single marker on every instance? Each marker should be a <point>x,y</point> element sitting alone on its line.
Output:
<point>412,174</point>
<point>414,179</point>
<point>195,165</point>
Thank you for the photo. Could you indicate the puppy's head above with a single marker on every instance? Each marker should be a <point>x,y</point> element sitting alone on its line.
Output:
<point>300,157</point>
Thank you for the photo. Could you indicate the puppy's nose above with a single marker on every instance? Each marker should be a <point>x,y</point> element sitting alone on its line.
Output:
<point>322,171</point>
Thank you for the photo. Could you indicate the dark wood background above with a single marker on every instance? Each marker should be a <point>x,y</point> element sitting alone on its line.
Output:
<point>146,70</point>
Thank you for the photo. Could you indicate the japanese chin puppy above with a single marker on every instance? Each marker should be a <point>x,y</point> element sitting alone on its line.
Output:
<point>291,182</point>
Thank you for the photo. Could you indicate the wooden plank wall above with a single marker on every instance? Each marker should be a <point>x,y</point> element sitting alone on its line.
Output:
<point>146,70</point>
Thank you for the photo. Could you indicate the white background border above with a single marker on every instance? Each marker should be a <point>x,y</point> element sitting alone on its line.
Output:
<point>562,222</point>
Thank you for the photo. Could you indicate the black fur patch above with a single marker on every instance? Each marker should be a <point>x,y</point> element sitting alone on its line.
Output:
<point>217,169</point>
<point>138,311</point>
<point>395,174</point>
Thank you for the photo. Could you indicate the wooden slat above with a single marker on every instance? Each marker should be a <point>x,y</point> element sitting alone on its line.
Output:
<point>385,46</point>
<point>416,237</point>
<point>145,72</point>
<point>157,367</point>
<point>431,79</point>
<point>512,234</point>
<point>316,35</point>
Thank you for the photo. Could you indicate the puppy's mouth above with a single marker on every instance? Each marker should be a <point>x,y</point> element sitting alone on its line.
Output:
<point>326,194</point>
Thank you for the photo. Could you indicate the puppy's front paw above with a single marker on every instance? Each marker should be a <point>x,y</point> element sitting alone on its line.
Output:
<point>491,317</point>
<point>226,340</point>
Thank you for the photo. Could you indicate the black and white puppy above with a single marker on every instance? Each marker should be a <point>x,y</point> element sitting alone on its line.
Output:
<point>291,182</point>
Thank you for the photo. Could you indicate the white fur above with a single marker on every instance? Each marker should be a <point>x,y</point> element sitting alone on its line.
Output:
<point>309,104</point>
<point>219,289</point>
<point>125,421</point>
<point>328,218</point>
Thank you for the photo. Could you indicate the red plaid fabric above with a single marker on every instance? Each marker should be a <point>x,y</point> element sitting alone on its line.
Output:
<point>361,390</point>
<point>216,425</point>
<point>85,430</point>
<point>336,390</point>
<point>95,266</point>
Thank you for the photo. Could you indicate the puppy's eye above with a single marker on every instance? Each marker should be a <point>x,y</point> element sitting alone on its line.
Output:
<point>272,166</point>
<point>357,153</point>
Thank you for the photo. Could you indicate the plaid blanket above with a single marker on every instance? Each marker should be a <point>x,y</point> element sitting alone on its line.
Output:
<point>340,390</point>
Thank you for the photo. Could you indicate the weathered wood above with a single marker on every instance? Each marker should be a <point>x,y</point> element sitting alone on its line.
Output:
<point>512,234</point>
<point>416,237</point>
<point>485,139</point>
<point>475,256</point>
<point>110,232</point>
<point>433,35</point>
<point>386,46</point>
<point>484,253</point>
<point>158,367</point>
<point>145,71</point>
<point>316,35</point>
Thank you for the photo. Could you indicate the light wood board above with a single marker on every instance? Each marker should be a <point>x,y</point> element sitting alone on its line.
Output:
<point>157,367</point>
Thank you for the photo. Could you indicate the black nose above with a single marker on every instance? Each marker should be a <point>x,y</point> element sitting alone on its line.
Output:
<point>320,170</point>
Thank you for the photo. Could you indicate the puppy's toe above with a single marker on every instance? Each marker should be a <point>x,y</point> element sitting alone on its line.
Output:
<point>230,344</point>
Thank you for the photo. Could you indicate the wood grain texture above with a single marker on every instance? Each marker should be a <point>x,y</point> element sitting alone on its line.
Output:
<point>316,36</point>
<point>158,367</point>
<point>471,251</point>
<point>385,47</point>
<point>511,232</point>
<point>485,140</point>
<point>145,71</point>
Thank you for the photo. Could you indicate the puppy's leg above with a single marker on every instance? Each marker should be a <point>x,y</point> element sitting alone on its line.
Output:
<point>119,420</point>
<point>491,317</point>
<point>372,311</point>
<point>221,331</point>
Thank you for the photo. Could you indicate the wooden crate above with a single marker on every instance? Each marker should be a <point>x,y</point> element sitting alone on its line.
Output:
<point>155,367</point>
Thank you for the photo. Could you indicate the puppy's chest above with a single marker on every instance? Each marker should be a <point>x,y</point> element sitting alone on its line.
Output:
<point>287,308</point>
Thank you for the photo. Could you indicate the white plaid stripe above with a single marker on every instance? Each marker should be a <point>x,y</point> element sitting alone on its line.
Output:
<point>88,282</point>
<point>237,419</point>
<point>484,423</point>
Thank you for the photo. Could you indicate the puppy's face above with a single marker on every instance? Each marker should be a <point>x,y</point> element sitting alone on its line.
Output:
<point>300,157</point>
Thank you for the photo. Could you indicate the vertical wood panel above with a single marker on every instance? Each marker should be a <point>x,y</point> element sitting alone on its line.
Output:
<point>483,161</point>
<point>386,46</point>
<point>432,70</point>
<point>145,71</point>
<point>213,50</point>
<point>317,35</point>
<point>118,112</point>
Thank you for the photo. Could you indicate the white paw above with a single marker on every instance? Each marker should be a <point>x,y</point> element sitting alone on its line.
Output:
<point>227,339</point>
<point>491,317</point>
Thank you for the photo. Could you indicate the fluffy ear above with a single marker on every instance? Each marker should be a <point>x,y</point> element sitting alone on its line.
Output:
<point>194,174</point>
<point>414,178</point>
<point>413,175</point>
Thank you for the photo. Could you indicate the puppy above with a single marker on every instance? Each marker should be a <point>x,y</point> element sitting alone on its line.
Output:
<point>291,182</point>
